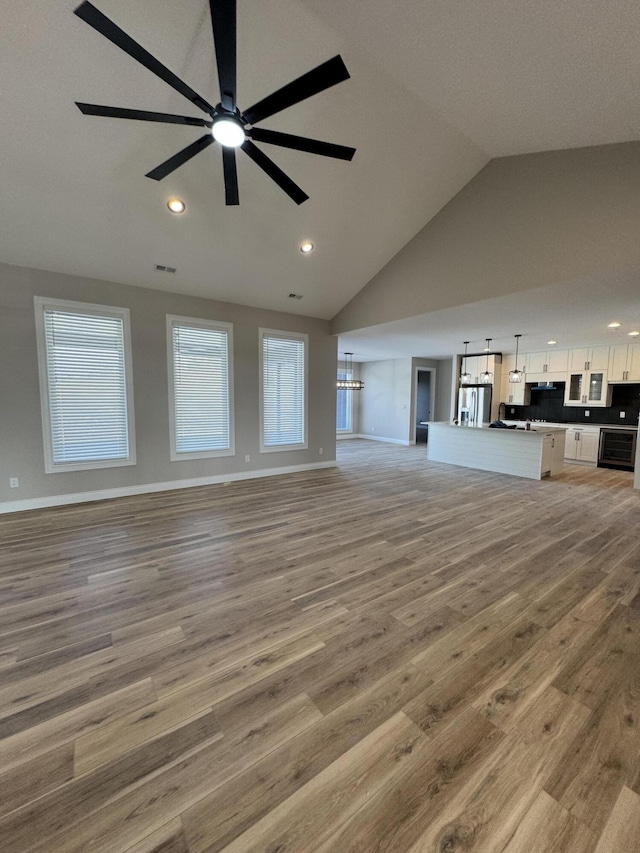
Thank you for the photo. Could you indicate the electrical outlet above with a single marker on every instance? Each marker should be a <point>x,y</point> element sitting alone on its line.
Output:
<point>373,429</point>
<point>247,458</point>
<point>623,414</point>
<point>587,413</point>
<point>14,483</point>
<point>320,451</point>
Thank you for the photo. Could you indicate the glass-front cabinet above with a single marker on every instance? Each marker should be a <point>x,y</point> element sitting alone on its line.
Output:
<point>586,388</point>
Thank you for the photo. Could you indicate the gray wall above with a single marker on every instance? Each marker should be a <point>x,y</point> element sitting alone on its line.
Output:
<point>21,447</point>
<point>446,390</point>
<point>522,222</point>
<point>387,402</point>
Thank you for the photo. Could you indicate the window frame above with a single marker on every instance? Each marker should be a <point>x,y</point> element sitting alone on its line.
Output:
<point>43,304</point>
<point>198,322</point>
<point>289,336</point>
<point>345,374</point>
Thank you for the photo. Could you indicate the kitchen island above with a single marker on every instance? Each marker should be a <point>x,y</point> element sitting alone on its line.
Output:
<point>534,453</point>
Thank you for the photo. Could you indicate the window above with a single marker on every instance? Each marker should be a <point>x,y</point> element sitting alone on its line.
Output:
<point>200,382</point>
<point>344,406</point>
<point>84,354</point>
<point>283,395</point>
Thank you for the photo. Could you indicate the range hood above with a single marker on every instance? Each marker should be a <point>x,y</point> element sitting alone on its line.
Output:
<point>544,386</point>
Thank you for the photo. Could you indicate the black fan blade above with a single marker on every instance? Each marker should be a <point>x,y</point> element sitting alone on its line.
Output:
<point>181,157</point>
<point>323,77</point>
<point>302,143</point>
<point>274,172</point>
<point>94,17</point>
<point>223,19</point>
<point>230,176</point>
<point>140,115</point>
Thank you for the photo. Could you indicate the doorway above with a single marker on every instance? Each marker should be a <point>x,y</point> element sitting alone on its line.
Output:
<point>422,403</point>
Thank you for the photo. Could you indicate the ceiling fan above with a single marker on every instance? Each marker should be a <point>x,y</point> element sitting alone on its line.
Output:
<point>225,124</point>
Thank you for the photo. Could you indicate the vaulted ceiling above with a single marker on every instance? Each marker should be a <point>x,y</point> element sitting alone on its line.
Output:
<point>437,89</point>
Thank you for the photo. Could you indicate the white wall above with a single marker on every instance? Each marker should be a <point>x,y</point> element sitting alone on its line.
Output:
<point>21,446</point>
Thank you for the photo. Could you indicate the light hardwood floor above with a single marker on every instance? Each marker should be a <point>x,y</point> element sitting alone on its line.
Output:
<point>395,655</point>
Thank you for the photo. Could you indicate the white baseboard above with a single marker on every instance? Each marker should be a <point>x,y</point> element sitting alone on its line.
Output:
<point>147,488</point>
<point>404,442</point>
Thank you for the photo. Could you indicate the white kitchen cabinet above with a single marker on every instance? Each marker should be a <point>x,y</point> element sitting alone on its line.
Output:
<point>557,361</point>
<point>552,453</point>
<point>535,362</point>
<point>581,444</point>
<point>549,361</point>
<point>514,393</point>
<point>587,388</point>
<point>624,363</point>
<point>589,358</point>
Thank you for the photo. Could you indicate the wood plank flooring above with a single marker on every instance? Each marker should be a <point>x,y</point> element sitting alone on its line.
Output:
<point>395,655</point>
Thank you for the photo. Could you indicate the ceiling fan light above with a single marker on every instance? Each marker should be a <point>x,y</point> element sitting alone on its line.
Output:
<point>228,132</point>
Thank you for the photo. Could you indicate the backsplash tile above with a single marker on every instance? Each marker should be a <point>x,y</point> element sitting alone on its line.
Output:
<point>547,406</point>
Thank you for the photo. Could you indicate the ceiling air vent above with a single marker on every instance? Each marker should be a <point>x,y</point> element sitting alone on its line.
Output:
<point>295,296</point>
<point>163,268</point>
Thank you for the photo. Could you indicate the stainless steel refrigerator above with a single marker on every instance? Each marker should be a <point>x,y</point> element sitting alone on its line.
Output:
<point>474,405</point>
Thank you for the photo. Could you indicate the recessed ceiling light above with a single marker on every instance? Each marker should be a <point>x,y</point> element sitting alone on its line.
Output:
<point>176,205</point>
<point>306,246</point>
<point>634,334</point>
<point>614,325</point>
<point>552,343</point>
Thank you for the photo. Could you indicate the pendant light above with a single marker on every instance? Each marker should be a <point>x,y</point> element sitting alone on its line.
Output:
<point>516,375</point>
<point>487,377</point>
<point>465,378</point>
<point>349,384</point>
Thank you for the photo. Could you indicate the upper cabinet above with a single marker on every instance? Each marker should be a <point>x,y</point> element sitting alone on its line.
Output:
<point>551,361</point>
<point>587,388</point>
<point>624,363</point>
<point>589,358</point>
<point>587,372</point>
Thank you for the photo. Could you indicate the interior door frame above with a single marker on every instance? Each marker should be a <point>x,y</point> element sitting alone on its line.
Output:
<point>414,398</point>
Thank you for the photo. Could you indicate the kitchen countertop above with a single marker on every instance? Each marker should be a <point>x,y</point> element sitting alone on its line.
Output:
<point>572,424</point>
<point>539,427</point>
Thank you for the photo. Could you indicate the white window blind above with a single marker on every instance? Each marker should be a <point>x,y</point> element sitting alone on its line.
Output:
<point>283,390</point>
<point>344,405</point>
<point>201,404</point>
<point>87,418</point>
